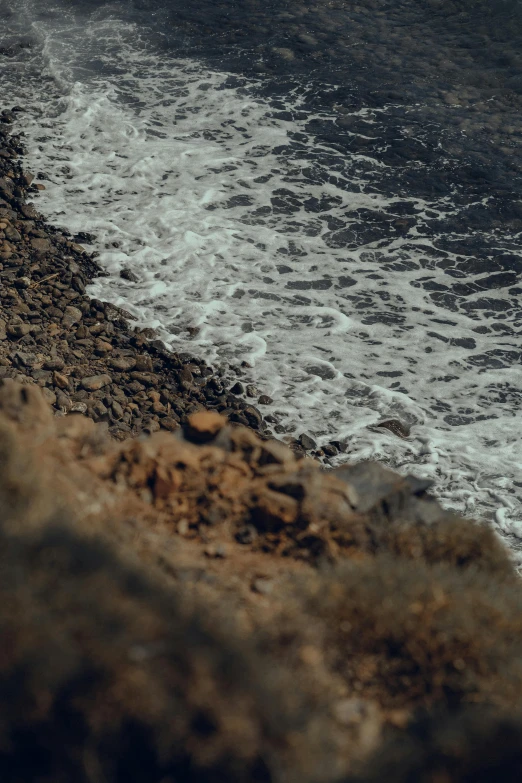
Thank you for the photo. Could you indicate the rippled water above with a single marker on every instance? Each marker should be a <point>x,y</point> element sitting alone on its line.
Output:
<point>329,191</point>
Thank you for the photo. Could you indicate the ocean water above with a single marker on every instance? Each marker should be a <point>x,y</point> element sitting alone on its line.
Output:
<point>329,191</point>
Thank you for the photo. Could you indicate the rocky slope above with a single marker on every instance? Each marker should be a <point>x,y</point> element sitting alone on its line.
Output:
<point>182,599</point>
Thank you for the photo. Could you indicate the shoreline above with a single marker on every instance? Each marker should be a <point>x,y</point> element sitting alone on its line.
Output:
<point>82,352</point>
<point>85,353</point>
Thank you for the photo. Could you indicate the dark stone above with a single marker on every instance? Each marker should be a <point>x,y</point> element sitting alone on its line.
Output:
<point>236,417</point>
<point>307,442</point>
<point>342,447</point>
<point>128,274</point>
<point>395,426</point>
<point>84,236</point>
<point>330,450</point>
<point>253,416</point>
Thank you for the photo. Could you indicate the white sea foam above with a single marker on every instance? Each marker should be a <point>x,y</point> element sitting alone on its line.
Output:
<point>209,197</point>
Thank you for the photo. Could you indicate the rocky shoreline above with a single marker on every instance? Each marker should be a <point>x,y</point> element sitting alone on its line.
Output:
<point>185,599</point>
<point>85,354</point>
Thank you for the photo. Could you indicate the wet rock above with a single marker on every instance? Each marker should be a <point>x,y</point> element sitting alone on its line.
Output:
<point>186,379</point>
<point>306,442</point>
<point>85,236</point>
<point>395,426</point>
<point>236,417</point>
<point>330,450</point>
<point>253,416</point>
<point>128,274</point>
<point>76,247</point>
<point>264,399</point>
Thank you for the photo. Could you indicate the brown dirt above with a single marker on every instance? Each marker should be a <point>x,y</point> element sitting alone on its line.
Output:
<point>318,638</point>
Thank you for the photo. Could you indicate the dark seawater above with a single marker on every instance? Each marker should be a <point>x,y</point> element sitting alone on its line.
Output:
<point>330,190</point>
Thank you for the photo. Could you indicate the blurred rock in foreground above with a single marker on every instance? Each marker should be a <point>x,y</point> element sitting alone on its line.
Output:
<point>207,606</point>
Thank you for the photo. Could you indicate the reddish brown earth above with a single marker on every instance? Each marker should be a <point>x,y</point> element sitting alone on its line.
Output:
<point>184,600</point>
